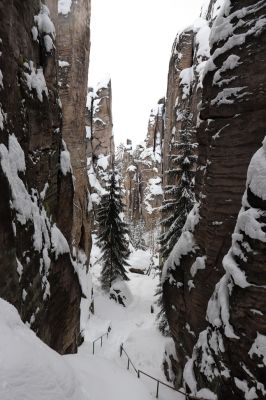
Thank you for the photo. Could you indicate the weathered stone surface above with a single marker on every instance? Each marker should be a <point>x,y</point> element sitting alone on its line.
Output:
<point>73,45</point>
<point>141,171</point>
<point>181,58</point>
<point>231,130</point>
<point>100,149</point>
<point>36,271</point>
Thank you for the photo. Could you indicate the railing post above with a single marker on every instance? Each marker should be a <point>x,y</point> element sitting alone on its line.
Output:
<point>186,394</point>
<point>101,341</point>
<point>121,349</point>
<point>138,374</point>
<point>127,363</point>
<point>92,347</point>
<point>157,390</point>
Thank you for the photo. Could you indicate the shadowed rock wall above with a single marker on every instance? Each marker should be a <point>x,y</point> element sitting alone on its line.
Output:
<point>230,129</point>
<point>37,273</point>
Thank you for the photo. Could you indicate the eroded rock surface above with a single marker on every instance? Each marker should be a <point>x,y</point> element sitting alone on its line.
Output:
<point>230,129</point>
<point>37,273</point>
<point>73,45</point>
<point>141,169</point>
<point>99,138</point>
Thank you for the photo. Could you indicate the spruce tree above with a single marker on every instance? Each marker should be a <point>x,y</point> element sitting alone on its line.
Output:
<point>112,235</point>
<point>137,230</point>
<point>179,198</point>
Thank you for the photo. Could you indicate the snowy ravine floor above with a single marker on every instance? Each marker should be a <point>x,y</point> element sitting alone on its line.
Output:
<point>135,327</point>
<point>30,370</point>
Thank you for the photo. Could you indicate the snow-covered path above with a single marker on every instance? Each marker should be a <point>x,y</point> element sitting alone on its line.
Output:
<point>31,370</point>
<point>134,326</point>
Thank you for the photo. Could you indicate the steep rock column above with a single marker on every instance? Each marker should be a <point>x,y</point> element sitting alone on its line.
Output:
<point>228,359</point>
<point>141,170</point>
<point>181,58</point>
<point>149,167</point>
<point>231,128</point>
<point>73,46</point>
<point>100,139</point>
<point>36,270</point>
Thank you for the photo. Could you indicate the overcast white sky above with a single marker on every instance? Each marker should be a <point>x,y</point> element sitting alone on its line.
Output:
<point>131,40</point>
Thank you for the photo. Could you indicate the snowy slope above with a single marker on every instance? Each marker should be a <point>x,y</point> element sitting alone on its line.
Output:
<point>30,370</point>
<point>105,381</point>
<point>134,326</point>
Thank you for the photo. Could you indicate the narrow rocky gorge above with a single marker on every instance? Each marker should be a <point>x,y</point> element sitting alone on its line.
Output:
<point>57,151</point>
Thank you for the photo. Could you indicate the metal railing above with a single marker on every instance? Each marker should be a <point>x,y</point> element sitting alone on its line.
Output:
<point>159,382</point>
<point>128,359</point>
<point>101,339</point>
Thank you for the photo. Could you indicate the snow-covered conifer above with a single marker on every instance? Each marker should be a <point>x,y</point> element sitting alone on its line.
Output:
<point>179,198</point>
<point>112,235</point>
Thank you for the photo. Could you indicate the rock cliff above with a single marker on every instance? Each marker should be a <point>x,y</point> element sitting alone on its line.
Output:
<point>141,169</point>
<point>38,274</point>
<point>230,126</point>
<point>99,138</point>
<point>73,45</point>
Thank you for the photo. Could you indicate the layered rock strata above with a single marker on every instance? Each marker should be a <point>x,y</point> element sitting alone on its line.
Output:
<point>38,274</point>
<point>231,126</point>
<point>73,46</point>
<point>142,174</point>
<point>99,138</point>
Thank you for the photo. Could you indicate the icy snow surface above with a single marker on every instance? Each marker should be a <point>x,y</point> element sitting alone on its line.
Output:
<point>135,327</point>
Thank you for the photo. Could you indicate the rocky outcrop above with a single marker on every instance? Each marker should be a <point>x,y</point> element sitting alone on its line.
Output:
<point>38,274</point>
<point>231,126</point>
<point>181,58</point>
<point>99,138</point>
<point>141,169</point>
<point>189,55</point>
<point>73,45</point>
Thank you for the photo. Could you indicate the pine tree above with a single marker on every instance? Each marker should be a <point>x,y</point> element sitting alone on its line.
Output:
<point>179,201</point>
<point>137,230</point>
<point>180,198</point>
<point>112,235</point>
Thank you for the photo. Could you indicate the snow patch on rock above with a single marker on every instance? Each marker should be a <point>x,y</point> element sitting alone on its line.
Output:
<point>65,162</point>
<point>64,7</point>
<point>35,79</point>
<point>46,28</point>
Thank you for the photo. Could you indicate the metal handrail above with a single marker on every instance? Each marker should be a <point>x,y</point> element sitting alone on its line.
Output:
<point>101,338</point>
<point>138,372</point>
<point>128,359</point>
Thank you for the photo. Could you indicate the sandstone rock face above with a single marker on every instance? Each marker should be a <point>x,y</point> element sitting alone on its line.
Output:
<point>37,273</point>
<point>100,140</point>
<point>73,45</point>
<point>230,129</point>
<point>189,55</point>
<point>141,171</point>
<point>181,58</point>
